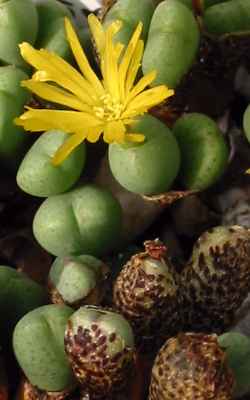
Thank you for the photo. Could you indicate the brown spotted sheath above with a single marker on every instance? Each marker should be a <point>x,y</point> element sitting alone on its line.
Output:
<point>146,292</point>
<point>191,366</point>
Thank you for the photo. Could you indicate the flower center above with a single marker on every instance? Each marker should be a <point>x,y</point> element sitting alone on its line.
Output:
<point>110,110</point>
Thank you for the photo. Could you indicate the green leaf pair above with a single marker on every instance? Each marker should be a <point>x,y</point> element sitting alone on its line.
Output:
<point>85,220</point>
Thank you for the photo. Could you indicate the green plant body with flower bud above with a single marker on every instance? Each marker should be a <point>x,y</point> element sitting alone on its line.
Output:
<point>77,280</point>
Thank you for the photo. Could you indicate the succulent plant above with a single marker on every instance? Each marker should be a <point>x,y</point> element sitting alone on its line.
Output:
<point>204,152</point>
<point>10,82</point>
<point>246,122</point>
<point>130,13</point>
<point>173,43</point>
<point>85,220</point>
<point>149,167</point>
<point>237,349</point>
<point>18,23</point>
<point>38,343</point>
<point>146,293</point>
<point>227,17</point>
<point>39,177</point>
<point>19,295</point>
<point>100,347</point>
<point>191,366</point>
<point>216,280</point>
<point>51,32</point>
<point>78,280</point>
<point>13,98</point>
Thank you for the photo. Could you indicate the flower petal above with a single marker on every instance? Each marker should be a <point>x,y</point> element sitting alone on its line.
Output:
<point>109,62</point>
<point>55,94</point>
<point>134,66</point>
<point>127,58</point>
<point>33,124</point>
<point>68,121</point>
<point>97,32</point>
<point>81,58</point>
<point>146,100</point>
<point>68,146</point>
<point>53,68</point>
<point>114,131</point>
<point>94,134</point>
<point>135,137</point>
<point>145,81</point>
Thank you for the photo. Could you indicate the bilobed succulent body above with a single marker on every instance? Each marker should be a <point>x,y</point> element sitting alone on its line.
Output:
<point>146,292</point>
<point>78,280</point>
<point>100,347</point>
<point>191,366</point>
<point>217,278</point>
<point>38,343</point>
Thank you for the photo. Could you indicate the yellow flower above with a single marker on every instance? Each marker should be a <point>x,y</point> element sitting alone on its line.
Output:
<point>105,106</point>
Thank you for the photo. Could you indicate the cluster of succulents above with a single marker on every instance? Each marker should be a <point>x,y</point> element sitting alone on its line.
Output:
<point>92,349</point>
<point>81,336</point>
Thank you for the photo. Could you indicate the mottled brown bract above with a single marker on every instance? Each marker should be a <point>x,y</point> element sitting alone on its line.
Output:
<point>30,392</point>
<point>217,278</point>
<point>191,366</point>
<point>146,292</point>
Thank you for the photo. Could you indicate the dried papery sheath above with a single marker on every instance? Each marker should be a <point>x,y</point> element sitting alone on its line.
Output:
<point>191,366</point>
<point>146,292</point>
<point>100,347</point>
<point>30,392</point>
<point>217,278</point>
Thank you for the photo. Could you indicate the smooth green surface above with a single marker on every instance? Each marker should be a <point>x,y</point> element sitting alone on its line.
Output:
<point>85,220</point>
<point>246,123</point>
<point>75,277</point>
<point>172,44</point>
<point>187,3</point>
<point>10,83</point>
<point>38,342</point>
<point>228,17</point>
<point>18,23</point>
<point>149,167</point>
<point>237,348</point>
<point>209,3</point>
<point>130,12</point>
<point>12,137</point>
<point>204,152</point>
<point>39,177</point>
<point>51,33</point>
<point>18,295</point>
